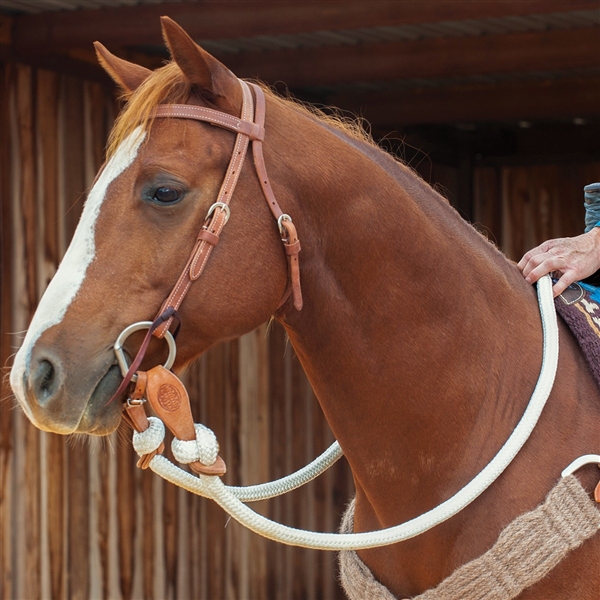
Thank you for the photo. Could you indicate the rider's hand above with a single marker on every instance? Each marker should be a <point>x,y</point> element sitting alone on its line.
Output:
<point>570,259</point>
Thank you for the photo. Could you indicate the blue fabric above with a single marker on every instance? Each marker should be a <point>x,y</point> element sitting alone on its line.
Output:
<point>593,291</point>
<point>592,206</point>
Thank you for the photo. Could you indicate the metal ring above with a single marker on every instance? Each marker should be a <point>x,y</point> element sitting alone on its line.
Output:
<point>224,207</point>
<point>282,218</point>
<point>118,347</point>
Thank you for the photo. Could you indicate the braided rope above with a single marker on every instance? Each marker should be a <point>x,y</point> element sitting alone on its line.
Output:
<point>204,448</point>
<point>227,498</point>
<point>149,440</point>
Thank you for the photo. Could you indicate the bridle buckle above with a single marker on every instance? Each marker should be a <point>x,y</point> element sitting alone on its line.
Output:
<point>280,221</point>
<point>224,207</point>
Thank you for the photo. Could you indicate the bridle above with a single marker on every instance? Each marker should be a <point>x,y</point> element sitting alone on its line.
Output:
<point>249,127</point>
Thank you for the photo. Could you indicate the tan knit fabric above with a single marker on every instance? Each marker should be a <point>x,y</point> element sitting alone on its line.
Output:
<point>525,552</point>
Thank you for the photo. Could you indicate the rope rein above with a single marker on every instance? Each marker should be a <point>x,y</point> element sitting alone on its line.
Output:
<point>204,448</point>
<point>197,446</point>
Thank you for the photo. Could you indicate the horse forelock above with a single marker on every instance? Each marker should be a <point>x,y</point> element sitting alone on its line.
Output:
<point>166,85</point>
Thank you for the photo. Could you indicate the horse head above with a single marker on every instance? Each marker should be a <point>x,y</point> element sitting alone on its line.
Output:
<point>139,223</point>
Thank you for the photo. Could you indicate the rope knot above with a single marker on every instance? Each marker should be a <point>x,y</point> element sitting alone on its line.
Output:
<point>204,448</point>
<point>145,442</point>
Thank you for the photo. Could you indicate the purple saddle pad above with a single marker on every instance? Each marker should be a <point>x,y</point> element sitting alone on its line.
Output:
<point>580,310</point>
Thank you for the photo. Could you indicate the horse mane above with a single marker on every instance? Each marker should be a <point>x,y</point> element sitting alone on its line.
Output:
<point>168,85</point>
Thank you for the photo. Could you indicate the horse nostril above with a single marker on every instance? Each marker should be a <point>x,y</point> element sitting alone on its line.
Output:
<point>44,380</point>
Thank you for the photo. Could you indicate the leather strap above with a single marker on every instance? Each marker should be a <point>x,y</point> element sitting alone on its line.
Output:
<point>135,415</point>
<point>290,241</point>
<point>214,223</point>
<point>221,119</point>
<point>247,129</point>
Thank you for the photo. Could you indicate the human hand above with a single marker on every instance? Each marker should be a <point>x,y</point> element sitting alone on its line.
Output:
<point>571,259</point>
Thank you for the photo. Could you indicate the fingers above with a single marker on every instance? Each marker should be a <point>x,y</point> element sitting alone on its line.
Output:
<point>542,264</point>
<point>522,264</point>
<point>564,282</point>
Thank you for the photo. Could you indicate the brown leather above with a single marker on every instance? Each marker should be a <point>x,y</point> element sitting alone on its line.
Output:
<point>597,493</point>
<point>184,111</point>
<point>170,401</point>
<point>215,222</point>
<point>163,390</point>
<point>263,178</point>
<point>248,129</point>
<point>209,237</point>
<point>135,415</point>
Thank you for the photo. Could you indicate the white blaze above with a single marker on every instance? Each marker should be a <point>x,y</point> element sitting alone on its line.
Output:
<point>78,257</point>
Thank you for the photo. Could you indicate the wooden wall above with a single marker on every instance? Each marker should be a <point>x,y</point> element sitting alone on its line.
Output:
<point>520,206</point>
<point>77,518</point>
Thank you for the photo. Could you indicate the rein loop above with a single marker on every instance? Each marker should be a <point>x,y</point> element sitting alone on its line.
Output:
<point>232,499</point>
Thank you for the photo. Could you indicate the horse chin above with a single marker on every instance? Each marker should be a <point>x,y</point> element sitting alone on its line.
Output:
<point>100,417</point>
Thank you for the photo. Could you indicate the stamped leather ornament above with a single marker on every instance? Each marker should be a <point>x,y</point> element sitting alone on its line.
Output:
<point>170,401</point>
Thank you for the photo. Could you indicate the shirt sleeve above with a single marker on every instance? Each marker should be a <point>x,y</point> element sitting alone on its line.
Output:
<point>592,206</point>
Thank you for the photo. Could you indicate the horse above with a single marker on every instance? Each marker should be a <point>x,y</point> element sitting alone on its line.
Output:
<point>421,340</point>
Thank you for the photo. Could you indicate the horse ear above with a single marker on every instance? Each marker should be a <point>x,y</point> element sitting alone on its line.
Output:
<point>213,79</point>
<point>126,75</point>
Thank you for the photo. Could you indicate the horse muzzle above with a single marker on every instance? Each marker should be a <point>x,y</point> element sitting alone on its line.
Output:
<point>60,404</point>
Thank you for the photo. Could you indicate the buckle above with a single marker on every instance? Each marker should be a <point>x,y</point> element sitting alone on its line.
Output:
<point>224,207</point>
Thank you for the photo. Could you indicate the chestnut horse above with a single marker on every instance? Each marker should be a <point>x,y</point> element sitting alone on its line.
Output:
<point>421,340</point>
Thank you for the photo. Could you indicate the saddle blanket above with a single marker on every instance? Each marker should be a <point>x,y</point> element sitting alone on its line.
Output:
<point>579,307</point>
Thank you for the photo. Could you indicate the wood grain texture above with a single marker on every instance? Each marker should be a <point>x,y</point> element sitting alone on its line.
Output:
<point>7,339</point>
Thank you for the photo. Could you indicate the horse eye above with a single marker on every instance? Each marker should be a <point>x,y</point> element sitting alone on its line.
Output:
<point>166,195</point>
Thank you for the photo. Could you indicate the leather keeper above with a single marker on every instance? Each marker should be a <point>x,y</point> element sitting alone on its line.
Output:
<point>291,249</point>
<point>137,417</point>
<point>208,237</point>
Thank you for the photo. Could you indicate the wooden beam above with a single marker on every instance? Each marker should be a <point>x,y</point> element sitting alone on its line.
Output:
<point>139,25</point>
<point>437,57</point>
<point>533,100</point>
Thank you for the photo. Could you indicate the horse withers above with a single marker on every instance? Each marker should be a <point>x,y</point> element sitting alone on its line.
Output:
<point>421,340</point>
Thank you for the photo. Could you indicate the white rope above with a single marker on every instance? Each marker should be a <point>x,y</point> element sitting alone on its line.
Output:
<point>214,488</point>
<point>204,448</point>
<point>147,441</point>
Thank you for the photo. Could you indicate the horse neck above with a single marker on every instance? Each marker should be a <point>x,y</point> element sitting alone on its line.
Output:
<point>410,319</point>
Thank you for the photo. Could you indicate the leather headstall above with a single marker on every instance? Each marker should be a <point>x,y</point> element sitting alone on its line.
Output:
<point>249,128</point>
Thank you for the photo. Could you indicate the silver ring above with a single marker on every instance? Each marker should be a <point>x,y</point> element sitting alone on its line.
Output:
<point>118,347</point>
<point>280,220</point>
<point>224,207</point>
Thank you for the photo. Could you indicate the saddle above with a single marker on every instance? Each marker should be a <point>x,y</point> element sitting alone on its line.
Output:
<point>579,307</point>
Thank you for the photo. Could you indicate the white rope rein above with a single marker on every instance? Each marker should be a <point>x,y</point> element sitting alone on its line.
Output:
<point>232,499</point>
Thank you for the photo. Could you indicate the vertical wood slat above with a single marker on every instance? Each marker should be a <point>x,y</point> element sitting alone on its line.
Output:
<point>31,479</point>
<point>54,463</point>
<point>77,456</point>
<point>7,339</point>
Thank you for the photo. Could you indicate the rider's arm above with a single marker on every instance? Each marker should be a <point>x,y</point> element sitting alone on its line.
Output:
<point>592,206</point>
